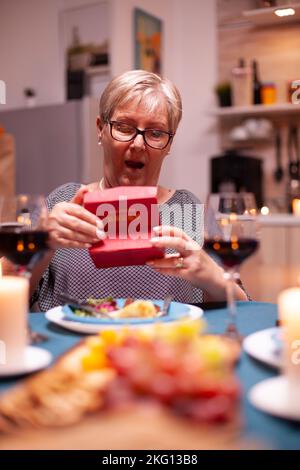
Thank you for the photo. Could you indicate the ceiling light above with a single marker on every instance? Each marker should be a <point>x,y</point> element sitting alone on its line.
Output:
<point>284,12</point>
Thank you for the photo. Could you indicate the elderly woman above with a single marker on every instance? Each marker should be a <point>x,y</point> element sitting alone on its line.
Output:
<point>139,115</point>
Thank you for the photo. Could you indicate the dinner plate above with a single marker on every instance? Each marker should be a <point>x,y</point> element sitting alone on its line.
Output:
<point>273,397</point>
<point>35,359</point>
<point>265,346</point>
<point>181,312</point>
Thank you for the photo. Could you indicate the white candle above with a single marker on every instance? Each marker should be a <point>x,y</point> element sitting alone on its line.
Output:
<point>289,314</point>
<point>14,292</point>
<point>296,206</point>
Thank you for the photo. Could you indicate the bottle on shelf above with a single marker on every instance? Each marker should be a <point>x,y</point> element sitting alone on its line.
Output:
<point>241,84</point>
<point>268,93</point>
<point>256,84</point>
<point>293,182</point>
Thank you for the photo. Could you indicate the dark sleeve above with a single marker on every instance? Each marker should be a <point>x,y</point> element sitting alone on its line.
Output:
<point>63,193</point>
<point>60,194</point>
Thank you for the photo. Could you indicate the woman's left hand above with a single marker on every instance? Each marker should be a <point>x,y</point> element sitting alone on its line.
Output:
<point>190,262</point>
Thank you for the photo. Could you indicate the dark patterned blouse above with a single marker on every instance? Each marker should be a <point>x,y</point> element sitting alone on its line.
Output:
<point>72,270</point>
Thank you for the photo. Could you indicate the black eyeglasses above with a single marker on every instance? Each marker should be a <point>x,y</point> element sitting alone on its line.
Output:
<point>154,138</point>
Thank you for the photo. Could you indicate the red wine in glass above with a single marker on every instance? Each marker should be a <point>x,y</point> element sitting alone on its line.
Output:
<point>231,238</point>
<point>23,235</point>
<point>24,248</point>
<point>231,253</point>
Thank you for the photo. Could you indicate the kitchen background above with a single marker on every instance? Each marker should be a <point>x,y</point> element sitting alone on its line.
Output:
<point>55,139</point>
<point>32,55</point>
<point>275,45</point>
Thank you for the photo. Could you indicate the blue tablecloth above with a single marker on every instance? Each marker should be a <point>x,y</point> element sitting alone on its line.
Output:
<point>252,316</point>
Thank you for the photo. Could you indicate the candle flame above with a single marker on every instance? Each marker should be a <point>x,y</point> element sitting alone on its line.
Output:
<point>296,206</point>
<point>264,210</point>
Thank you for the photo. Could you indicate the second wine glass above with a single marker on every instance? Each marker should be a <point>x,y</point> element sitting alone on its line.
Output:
<point>231,236</point>
<point>23,235</point>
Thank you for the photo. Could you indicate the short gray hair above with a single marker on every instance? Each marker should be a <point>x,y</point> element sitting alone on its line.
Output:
<point>147,88</point>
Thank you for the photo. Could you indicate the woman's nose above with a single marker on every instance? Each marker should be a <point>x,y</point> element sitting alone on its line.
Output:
<point>138,142</point>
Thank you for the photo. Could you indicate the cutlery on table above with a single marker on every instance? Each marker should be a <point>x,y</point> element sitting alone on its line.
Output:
<point>83,305</point>
<point>165,308</point>
<point>34,337</point>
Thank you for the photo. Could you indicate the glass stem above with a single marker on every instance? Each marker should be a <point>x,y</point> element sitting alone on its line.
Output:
<point>22,271</point>
<point>231,275</point>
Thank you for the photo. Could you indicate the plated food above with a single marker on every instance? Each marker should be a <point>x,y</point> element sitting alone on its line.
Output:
<point>64,317</point>
<point>130,312</point>
<point>110,307</point>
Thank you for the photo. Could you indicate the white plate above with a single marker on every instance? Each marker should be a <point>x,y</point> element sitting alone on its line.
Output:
<point>35,359</point>
<point>272,396</point>
<point>263,347</point>
<point>56,315</point>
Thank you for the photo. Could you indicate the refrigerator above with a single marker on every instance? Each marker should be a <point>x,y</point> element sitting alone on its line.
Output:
<point>54,144</point>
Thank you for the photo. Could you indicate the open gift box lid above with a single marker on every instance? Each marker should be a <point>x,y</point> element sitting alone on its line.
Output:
<point>129,214</point>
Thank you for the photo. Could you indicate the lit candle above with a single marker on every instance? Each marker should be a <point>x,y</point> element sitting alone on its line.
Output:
<point>296,206</point>
<point>289,313</point>
<point>14,293</point>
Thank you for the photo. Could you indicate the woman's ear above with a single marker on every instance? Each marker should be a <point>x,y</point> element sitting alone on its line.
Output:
<point>99,125</point>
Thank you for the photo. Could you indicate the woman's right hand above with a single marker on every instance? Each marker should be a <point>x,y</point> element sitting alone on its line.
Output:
<point>72,226</point>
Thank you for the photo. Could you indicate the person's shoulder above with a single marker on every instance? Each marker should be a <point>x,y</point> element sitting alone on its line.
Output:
<point>184,196</point>
<point>62,193</point>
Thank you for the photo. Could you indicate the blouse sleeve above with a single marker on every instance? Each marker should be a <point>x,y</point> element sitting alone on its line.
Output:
<point>60,194</point>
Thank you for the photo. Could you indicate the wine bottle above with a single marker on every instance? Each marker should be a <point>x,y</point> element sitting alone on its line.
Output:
<point>241,84</point>
<point>256,84</point>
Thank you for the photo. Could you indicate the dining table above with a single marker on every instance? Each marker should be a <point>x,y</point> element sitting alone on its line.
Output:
<point>266,430</point>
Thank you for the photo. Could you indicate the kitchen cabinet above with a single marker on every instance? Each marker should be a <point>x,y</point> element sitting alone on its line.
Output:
<point>279,240</point>
<point>276,265</point>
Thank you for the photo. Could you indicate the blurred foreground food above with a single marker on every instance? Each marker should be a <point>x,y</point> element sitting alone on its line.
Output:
<point>164,374</point>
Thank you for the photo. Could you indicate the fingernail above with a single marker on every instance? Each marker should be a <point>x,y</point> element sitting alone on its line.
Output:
<point>100,224</point>
<point>155,239</point>
<point>150,263</point>
<point>100,234</point>
<point>88,245</point>
<point>156,229</point>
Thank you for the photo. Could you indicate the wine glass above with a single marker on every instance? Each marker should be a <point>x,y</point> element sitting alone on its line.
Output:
<point>23,236</point>
<point>231,236</point>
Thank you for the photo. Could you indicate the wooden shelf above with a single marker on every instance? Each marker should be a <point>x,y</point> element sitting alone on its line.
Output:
<point>265,16</point>
<point>258,110</point>
<point>260,17</point>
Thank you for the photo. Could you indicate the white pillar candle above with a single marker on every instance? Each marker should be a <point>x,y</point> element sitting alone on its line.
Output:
<point>296,206</point>
<point>14,292</point>
<point>289,314</point>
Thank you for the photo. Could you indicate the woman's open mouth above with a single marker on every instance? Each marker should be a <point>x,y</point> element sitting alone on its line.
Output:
<point>135,165</point>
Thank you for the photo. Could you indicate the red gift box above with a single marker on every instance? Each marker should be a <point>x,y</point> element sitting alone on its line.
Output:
<point>129,214</point>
